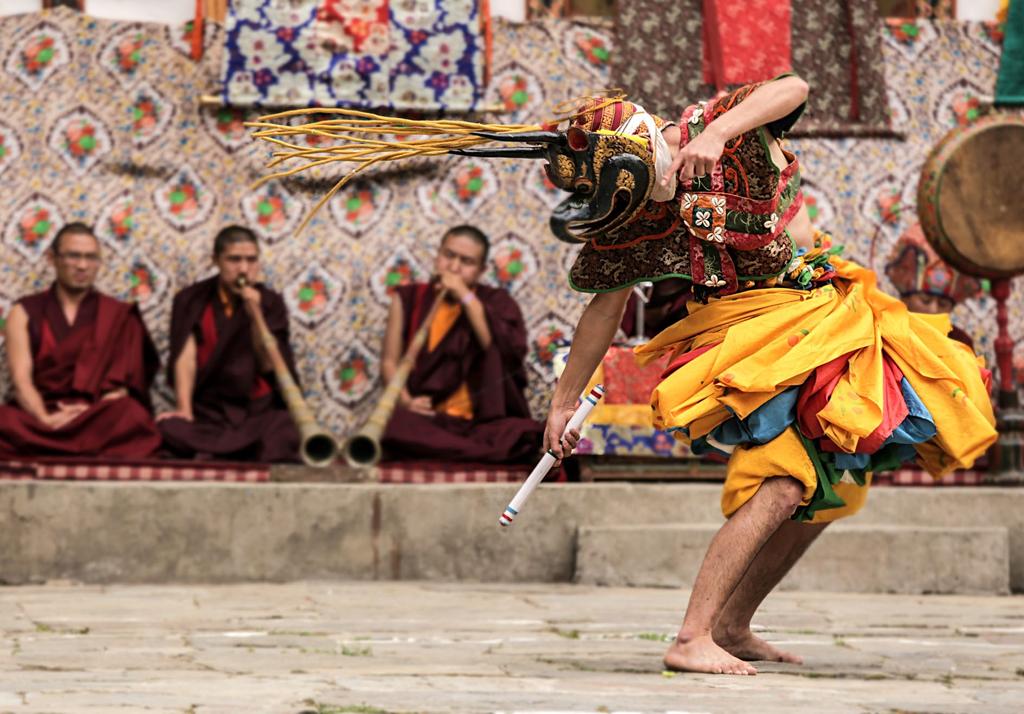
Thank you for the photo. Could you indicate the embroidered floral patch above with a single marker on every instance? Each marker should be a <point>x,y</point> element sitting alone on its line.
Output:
<point>352,375</point>
<point>272,211</point>
<point>33,225</point>
<point>360,206</point>
<point>37,55</point>
<point>184,201</point>
<point>313,295</point>
<point>117,224</point>
<point>515,262</point>
<point>80,139</point>
<point>124,53</point>
<point>150,115</point>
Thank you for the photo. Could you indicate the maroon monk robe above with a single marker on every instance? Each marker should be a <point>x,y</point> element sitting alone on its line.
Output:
<point>501,430</point>
<point>106,349</point>
<point>238,412</point>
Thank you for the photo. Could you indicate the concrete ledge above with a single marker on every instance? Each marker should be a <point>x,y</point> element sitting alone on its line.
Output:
<point>863,559</point>
<point>101,532</point>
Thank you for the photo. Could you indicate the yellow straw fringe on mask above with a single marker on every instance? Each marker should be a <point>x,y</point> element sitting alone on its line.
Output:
<point>356,138</point>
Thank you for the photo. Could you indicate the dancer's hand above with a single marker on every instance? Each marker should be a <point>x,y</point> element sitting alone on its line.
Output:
<point>561,447</point>
<point>698,157</point>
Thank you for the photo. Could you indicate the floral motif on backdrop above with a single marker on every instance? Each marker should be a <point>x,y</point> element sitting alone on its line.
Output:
<point>395,54</point>
<point>156,210</point>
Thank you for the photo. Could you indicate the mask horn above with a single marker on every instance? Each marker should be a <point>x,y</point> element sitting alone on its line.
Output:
<point>524,137</point>
<point>504,152</point>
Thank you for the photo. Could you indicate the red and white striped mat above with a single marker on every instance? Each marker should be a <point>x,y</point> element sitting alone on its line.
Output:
<point>144,470</point>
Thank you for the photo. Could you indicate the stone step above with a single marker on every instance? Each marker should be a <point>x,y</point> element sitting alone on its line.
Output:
<point>167,532</point>
<point>845,558</point>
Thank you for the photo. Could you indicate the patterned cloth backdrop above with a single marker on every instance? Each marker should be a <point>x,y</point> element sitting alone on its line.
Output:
<point>99,121</point>
<point>401,54</point>
<point>834,45</point>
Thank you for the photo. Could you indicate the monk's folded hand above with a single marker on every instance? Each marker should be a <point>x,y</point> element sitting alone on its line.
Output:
<point>115,394</point>
<point>554,441</point>
<point>421,405</point>
<point>176,414</point>
<point>64,414</point>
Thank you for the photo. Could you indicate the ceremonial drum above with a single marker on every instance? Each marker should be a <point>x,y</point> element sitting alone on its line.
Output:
<point>970,198</point>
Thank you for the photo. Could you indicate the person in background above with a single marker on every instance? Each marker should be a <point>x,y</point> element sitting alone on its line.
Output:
<point>227,403</point>
<point>464,399</point>
<point>81,364</point>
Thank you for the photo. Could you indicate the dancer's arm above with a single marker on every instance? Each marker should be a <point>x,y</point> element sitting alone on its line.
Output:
<point>770,101</point>
<point>593,336</point>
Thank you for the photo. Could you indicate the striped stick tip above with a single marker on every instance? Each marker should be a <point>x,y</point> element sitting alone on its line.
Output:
<point>506,517</point>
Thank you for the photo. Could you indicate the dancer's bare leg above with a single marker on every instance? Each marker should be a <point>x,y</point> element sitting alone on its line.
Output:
<point>781,552</point>
<point>730,554</point>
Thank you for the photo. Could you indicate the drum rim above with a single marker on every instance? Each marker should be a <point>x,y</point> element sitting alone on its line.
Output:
<point>942,243</point>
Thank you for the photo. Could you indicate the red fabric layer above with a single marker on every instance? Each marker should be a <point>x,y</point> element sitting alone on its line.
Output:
<point>686,358</point>
<point>816,393</point>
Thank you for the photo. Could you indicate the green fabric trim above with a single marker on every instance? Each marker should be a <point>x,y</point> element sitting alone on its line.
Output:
<point>762,134</point>
<point>753,223</point>
<point>824,496</point>
<point>712,261</point>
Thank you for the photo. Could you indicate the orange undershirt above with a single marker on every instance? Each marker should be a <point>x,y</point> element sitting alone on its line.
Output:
<point>459,404</point>
<point>226,302</point>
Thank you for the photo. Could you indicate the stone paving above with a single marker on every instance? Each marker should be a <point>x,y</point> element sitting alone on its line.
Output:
<point>330,648</point>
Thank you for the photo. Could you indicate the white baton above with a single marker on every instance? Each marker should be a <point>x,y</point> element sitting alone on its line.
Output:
<point>548,459</point>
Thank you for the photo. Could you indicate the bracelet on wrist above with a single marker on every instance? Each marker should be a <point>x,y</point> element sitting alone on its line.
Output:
<point>469,298</point>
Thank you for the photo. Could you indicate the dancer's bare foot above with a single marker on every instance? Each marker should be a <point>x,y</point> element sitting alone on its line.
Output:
<point>747,646</point>
<point>701,654</point>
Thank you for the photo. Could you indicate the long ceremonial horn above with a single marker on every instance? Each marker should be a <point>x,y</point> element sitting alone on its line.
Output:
<point>362,449</point>
<point>317,446</point>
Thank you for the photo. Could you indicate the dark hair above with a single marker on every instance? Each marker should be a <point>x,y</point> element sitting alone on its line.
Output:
<point>230,235</point>
<point>73,228</point>
<point>473,233</point>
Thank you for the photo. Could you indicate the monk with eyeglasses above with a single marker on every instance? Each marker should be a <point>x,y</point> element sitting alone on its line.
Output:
<point>81,365</point>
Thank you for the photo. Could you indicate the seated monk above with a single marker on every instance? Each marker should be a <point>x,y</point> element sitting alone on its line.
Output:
<point>81,365</point>
<point>228,406</point>
<point>464,399</point>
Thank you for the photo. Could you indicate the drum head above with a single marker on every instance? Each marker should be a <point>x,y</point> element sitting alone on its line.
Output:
<point>980,202</point>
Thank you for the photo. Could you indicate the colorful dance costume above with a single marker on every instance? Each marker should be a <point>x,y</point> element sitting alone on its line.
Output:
<point>791,361</point>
